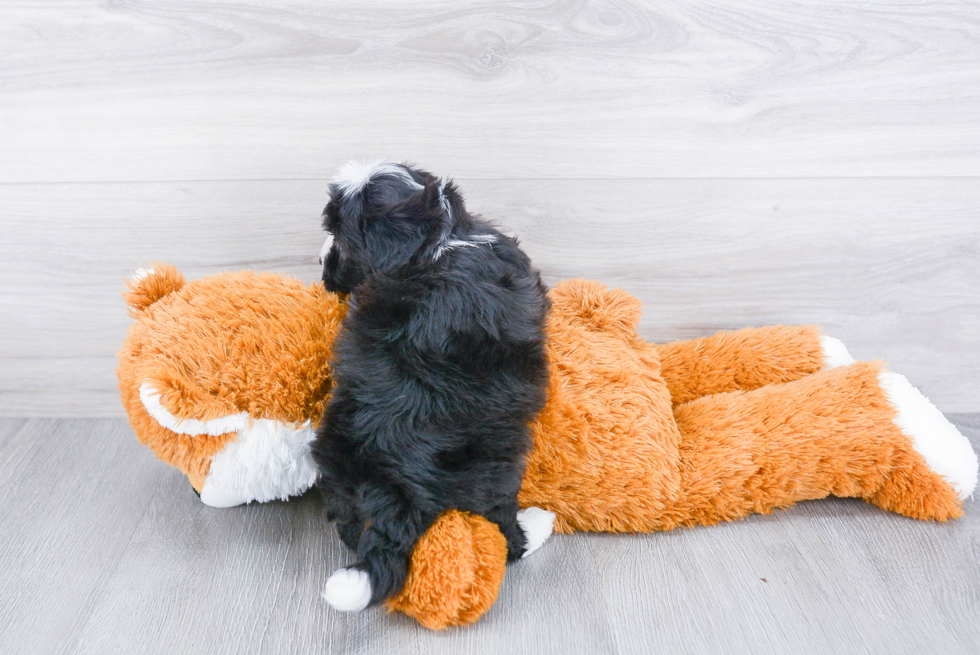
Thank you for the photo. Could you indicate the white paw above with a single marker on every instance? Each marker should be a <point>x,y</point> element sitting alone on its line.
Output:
<point>946,451</point>
<point>348,590</point>
<point>537,524</point>
<point>834,353</point>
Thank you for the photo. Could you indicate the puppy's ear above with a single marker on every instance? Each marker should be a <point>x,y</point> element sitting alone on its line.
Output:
<point>398,232</point>
<point>450,199</point>
<point>447,202</point>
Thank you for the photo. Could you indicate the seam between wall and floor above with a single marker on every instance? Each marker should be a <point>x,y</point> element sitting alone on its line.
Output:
<point>592,178</point>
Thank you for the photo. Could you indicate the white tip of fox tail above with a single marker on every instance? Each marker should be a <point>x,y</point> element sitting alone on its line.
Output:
<point>834,353</point>
<point>946,451</point>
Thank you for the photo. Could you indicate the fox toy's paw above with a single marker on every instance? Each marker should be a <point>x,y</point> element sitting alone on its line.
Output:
<point>455,573</point>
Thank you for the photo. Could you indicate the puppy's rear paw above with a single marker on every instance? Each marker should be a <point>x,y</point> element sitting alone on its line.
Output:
<point>348,590</point>
<point>537,524</point>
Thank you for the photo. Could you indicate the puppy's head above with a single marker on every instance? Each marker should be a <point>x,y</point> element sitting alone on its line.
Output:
<point>382,215</point>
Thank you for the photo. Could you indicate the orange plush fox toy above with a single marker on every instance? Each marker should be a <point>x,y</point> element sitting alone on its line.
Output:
<point>225,378</point>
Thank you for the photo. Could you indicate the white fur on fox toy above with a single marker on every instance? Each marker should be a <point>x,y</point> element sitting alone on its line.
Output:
<point>946,451</point>
<point>150,398</point>
<point>834,352</point>
<point>268,461</point>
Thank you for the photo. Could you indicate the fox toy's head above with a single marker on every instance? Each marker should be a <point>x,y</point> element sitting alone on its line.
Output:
<point>225,378</point>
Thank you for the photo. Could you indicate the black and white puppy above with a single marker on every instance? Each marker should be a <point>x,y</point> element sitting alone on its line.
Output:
<point>437,373</point>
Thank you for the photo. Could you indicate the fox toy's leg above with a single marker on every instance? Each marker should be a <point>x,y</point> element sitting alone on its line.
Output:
<point>746,359</point>
<point>458,566</point>
<point>851,431</point>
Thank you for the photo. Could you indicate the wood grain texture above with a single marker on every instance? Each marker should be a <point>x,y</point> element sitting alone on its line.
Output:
<point>170,90</point>
<point>107,550</point>
<point>730,163</point>
<point>71,495</point>
<point>889,266</point>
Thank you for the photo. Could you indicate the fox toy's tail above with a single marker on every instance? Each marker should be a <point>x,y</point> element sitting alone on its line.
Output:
<point>853,431</point>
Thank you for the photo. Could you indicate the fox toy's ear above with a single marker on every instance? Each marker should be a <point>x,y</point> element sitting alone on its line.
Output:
<point>148,285</point>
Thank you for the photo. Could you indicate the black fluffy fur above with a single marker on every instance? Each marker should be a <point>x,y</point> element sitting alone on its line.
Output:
<point>437,372</point>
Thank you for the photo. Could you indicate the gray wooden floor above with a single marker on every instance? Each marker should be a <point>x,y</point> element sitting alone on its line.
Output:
<point>105,550</point>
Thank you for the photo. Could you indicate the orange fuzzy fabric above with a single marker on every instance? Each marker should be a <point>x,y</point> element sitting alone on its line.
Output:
<point>634,437</point>
<point>140,294</point>
<point>233,342</point>
<point>612,454</point>
<point>753,358</point>
<point>605,454</point>
<point>830,433</point>
<point>457,568</point>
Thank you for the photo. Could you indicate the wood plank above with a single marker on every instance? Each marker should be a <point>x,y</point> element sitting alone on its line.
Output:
<point>107,550</point>
<point>889,266</point>
<point>829,576</point>
<point>247,580</point>
<point>289,90</point>
<point>834,575</point>
<point>71,495</point>
<point>9,428</point>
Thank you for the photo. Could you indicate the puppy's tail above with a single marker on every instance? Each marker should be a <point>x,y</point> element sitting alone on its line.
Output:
<point>366,583</point>
<point>384,552</point>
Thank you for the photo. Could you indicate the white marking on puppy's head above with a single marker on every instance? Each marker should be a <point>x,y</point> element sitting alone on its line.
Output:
<point>325,248</point>
<point>474,240</point>
<point>444,200</point>
<point>355,175</point>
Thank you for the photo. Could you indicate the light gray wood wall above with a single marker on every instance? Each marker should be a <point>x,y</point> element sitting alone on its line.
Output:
<point>729,163</point>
